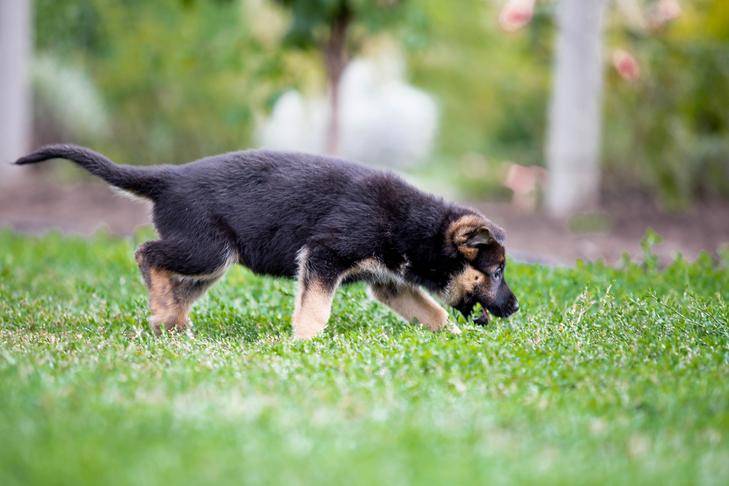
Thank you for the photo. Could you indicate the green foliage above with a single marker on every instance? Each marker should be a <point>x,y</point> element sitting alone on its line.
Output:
<point>667,133</point>
<point>180,81</point>
<point>183,79</point>
<point>312,19</point>
<point>66,101</point>
<point>671,129</point>
<point>605,375</point>
<point>492,87</point>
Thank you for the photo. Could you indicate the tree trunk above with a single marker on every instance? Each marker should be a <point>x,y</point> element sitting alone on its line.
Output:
<point>335,58</point>
<point>15,107</point>
<point>575,119</point>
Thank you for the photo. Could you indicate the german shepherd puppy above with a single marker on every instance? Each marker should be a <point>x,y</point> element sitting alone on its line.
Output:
<point>321,220</point>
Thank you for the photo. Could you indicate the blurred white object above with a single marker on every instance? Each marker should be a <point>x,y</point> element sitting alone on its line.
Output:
<point>15,100</point>
<point>516,14</point>
<point>384,120</point>
<point>296,123</point>
<point>575,116</point>
<point>69,97</point>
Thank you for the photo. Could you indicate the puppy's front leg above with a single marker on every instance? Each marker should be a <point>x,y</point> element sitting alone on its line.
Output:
<point>312,309</point>
<point>413,304</point>
<point>317,281</point>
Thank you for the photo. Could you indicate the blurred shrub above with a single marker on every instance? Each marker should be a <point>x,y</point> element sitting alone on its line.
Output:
<point>493,87</point>
<point>670,130</point>
<point>66,103</point>
<point>181,79</point>
<point>667,133</point>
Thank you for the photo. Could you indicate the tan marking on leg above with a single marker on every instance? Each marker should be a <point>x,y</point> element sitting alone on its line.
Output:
<point>171,295</point>
<point>413,304</point>
<point>376,271</point>
<point>312,309</point>
<point>166,308</point>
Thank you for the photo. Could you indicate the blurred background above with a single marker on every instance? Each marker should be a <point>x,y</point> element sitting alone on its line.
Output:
<point>585,127</point>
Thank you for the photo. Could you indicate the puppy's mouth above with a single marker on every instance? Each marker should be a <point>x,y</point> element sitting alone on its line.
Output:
<point>505,310</point>
<point>466,308</point>
<point>483,319</point>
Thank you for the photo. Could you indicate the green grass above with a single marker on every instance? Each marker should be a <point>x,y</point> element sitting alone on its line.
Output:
<point>605,375</point>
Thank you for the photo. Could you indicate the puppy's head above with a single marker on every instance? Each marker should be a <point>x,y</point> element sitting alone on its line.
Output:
<point>480,244</point>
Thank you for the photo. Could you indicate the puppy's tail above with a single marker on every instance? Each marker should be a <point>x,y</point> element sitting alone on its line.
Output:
<point>143,181</point>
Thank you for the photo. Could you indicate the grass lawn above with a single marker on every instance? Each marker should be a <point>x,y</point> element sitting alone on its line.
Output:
<point>618,375</point>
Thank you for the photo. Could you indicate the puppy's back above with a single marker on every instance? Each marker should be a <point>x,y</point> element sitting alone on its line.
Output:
<point>270,204</point>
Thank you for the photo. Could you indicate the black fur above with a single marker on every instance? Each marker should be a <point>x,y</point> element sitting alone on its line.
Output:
<point>147,182</point>
<point>262,207</point>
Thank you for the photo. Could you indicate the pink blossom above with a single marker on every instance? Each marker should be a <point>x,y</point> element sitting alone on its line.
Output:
<point>664,12</point>
<point>525,182</point>
<point>626,65</point>
<point>516,14</point>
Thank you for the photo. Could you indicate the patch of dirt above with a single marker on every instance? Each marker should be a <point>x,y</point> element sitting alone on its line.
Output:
<point>534,236</point>
<point>36,204</point>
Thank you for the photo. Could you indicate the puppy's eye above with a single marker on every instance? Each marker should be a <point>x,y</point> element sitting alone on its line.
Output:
<point>497,274</point>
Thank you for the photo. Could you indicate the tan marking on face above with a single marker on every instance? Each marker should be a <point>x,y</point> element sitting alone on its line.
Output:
<point>463,284</point>
<point>312,309</point>
<point>412,304</point>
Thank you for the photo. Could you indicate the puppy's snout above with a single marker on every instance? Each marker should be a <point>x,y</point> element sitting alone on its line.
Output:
<point>512,306</point>
<point>508,308</point>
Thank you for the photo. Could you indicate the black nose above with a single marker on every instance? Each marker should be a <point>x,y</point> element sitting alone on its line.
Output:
<point>512,307</point>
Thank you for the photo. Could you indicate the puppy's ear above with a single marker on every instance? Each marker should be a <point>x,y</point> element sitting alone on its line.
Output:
<point>480,237</point>
<point>472,231</point>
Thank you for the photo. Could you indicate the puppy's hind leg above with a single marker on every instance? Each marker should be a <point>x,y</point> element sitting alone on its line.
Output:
<point>175,276</point>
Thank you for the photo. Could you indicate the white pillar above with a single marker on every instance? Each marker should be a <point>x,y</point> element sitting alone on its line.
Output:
<point>575,118</point>
<point>15,95</point>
